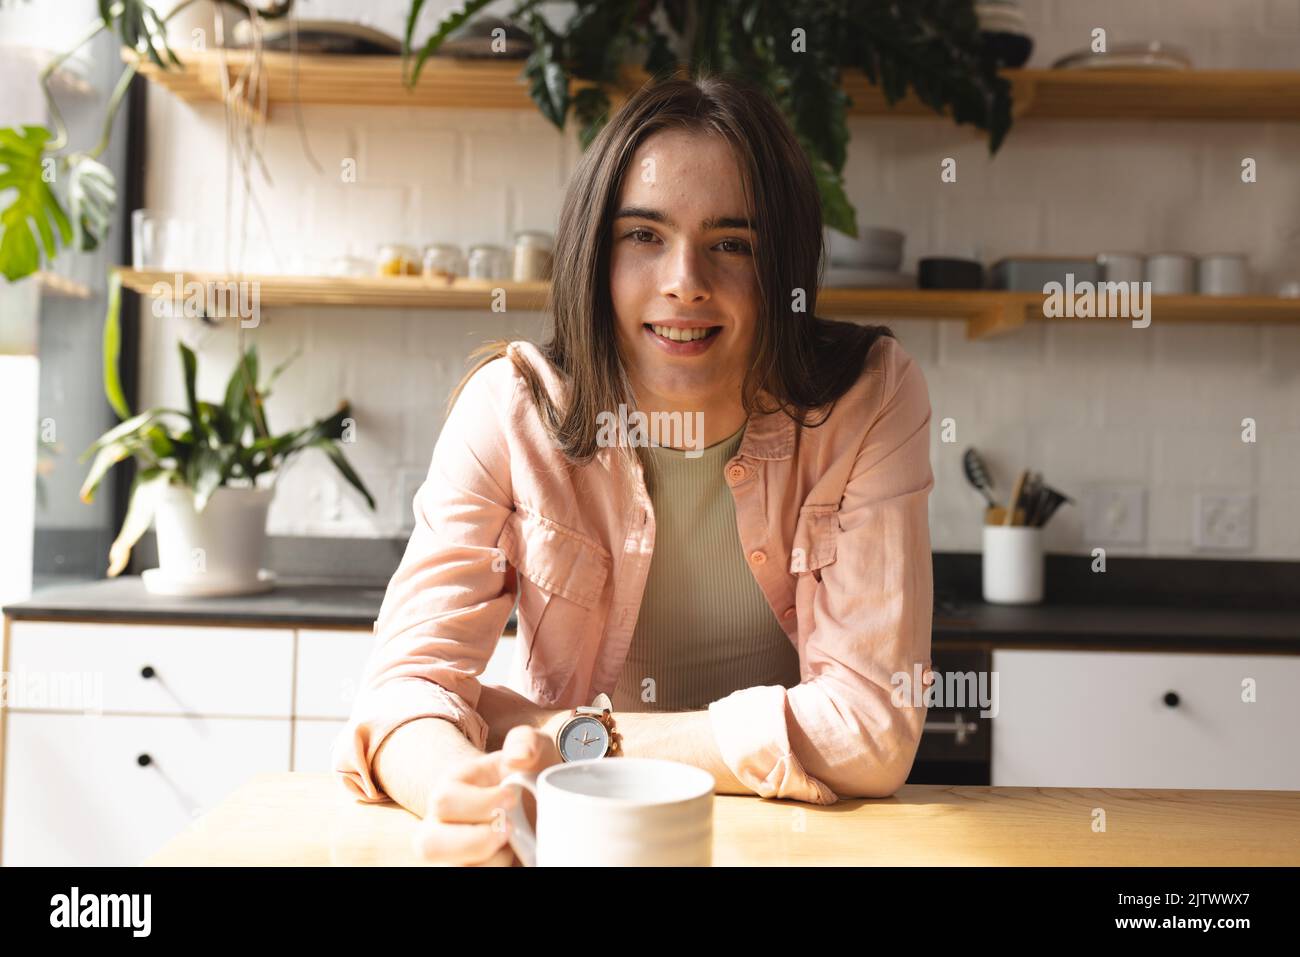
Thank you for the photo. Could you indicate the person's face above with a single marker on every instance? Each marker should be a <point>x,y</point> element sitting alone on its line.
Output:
<point>682,255</point>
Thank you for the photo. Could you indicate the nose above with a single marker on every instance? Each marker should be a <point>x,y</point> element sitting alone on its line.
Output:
<point>683,276</point>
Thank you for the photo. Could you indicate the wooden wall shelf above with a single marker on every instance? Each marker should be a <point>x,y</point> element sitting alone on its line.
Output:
<point>986,312</point>
<point>473,84</point>
<point>52,284</point>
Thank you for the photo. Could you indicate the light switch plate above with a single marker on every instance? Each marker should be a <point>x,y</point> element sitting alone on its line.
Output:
<point>1115,514</point>
<point>1224,522</point>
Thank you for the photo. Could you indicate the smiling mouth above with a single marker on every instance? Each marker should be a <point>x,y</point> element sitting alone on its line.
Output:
<point>683,335</point>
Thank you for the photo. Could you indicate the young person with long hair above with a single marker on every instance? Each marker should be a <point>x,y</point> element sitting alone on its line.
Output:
<point>745,601</point>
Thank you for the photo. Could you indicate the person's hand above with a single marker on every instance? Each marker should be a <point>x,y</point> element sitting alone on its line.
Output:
<point>465,820</point>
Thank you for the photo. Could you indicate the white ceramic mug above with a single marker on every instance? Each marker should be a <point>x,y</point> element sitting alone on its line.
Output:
<point>1222,274</point>
<point>615,812</point>
<point>1013,564</point>
<point>1122,267</point>
<point>1171,273</point>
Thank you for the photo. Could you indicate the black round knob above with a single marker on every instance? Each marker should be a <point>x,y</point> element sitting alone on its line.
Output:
<point>144,760</point>
<point>1171,699</point>
<point>147,671</point>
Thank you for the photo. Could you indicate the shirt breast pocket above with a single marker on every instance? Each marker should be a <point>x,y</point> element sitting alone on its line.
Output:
<point>562,574</point>
<point>816,534</point>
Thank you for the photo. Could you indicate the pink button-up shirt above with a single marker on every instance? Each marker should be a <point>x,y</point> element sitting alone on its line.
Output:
<point>833,521</point>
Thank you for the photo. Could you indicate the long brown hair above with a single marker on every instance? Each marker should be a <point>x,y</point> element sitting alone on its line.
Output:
<point>801,361</point>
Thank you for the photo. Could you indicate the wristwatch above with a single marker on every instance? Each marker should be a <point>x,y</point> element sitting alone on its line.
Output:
<point>589,732</point>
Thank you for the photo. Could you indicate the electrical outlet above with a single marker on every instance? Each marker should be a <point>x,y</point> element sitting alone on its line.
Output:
<point>1115,514</point>
<point>1224,522</point>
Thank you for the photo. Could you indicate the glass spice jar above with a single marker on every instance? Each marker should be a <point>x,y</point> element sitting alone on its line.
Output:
<point>488,262</point>
<point>443,261</point>
<point>532,256</point>
<point>398,259</point>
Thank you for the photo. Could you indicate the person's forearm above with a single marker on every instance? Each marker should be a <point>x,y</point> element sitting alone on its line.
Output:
<point>411,759</point>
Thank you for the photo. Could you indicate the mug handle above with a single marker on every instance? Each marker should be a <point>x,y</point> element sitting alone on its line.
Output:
<point>522,839</point>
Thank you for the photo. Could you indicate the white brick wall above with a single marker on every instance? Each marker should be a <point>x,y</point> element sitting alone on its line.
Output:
<point>1085,403</point>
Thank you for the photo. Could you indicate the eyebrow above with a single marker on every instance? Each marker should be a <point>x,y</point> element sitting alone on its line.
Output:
<point>707,225</point>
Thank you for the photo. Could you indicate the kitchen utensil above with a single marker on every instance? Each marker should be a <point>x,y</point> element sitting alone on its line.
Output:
<point>1051,502</point>
<point>937,272</point>
<point>1222,274</point>
<point>997,515</point>
<point>1013,507</point>
<point>620,812</point>
<point>977,473</point>
<point>1121,267</point>
<point>1171,273</point>
<point>1029,495</point>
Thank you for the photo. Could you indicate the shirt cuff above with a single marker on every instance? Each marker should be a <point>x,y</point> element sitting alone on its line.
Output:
<point>749,726</point>
<point>380,711</point>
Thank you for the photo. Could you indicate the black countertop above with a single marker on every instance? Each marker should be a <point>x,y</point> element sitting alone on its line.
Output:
<point>332,604</point>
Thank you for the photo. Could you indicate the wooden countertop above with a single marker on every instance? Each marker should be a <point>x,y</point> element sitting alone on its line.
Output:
<point>301,819</point>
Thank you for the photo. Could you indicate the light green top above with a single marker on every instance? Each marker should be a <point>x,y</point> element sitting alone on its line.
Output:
<point>704,629</point>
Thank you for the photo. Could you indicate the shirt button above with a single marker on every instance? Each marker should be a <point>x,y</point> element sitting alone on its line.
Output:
<point>757,557</point>
<point>789,612</point>
<point>735,473</point>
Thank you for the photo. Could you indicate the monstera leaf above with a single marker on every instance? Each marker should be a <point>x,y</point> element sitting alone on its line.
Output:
<point>34,211</point>
<point>92,195</point>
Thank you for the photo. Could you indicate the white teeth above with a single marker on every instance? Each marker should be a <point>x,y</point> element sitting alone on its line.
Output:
<point>680,335</point>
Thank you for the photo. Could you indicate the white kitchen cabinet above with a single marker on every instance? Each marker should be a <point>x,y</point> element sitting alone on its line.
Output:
<point>1100,719</point>
<point>76,793</point>
<point>209,706</point>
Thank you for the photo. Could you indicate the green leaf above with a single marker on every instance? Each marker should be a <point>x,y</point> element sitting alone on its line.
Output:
<point>92,195</point>
<point>137,423</point>
<point>108,456</point>
<point>548,81</point>
<point>239,406</point>
<point>204,474</point>
<point>345,469</point>
<point>113,347</point>
<point>446,26</point>
<point>190,364</point>
<point>145,491</point>
<point>35,210</point>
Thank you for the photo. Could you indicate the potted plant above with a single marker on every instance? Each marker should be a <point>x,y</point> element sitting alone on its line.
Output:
<point>198,477</point>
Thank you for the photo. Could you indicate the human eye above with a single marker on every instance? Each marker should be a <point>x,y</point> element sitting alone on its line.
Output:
<point>743,247</point>
<point>635,235</point>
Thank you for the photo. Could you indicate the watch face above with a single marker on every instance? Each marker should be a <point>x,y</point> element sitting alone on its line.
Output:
<point>584,738</point>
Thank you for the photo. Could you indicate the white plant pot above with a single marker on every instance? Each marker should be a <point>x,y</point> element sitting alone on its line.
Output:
<point>219,551</point>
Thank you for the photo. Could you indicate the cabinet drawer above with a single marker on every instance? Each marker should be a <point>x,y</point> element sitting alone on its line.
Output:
<point>76,794</point>
<point>332,664</point>
<point>152,669</point>
<point>1100,719</point>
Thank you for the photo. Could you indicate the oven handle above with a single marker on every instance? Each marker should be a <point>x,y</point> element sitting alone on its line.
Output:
<point>959,728</point>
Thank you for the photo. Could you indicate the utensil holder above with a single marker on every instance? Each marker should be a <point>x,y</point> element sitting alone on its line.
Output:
<point>1013,564</point>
